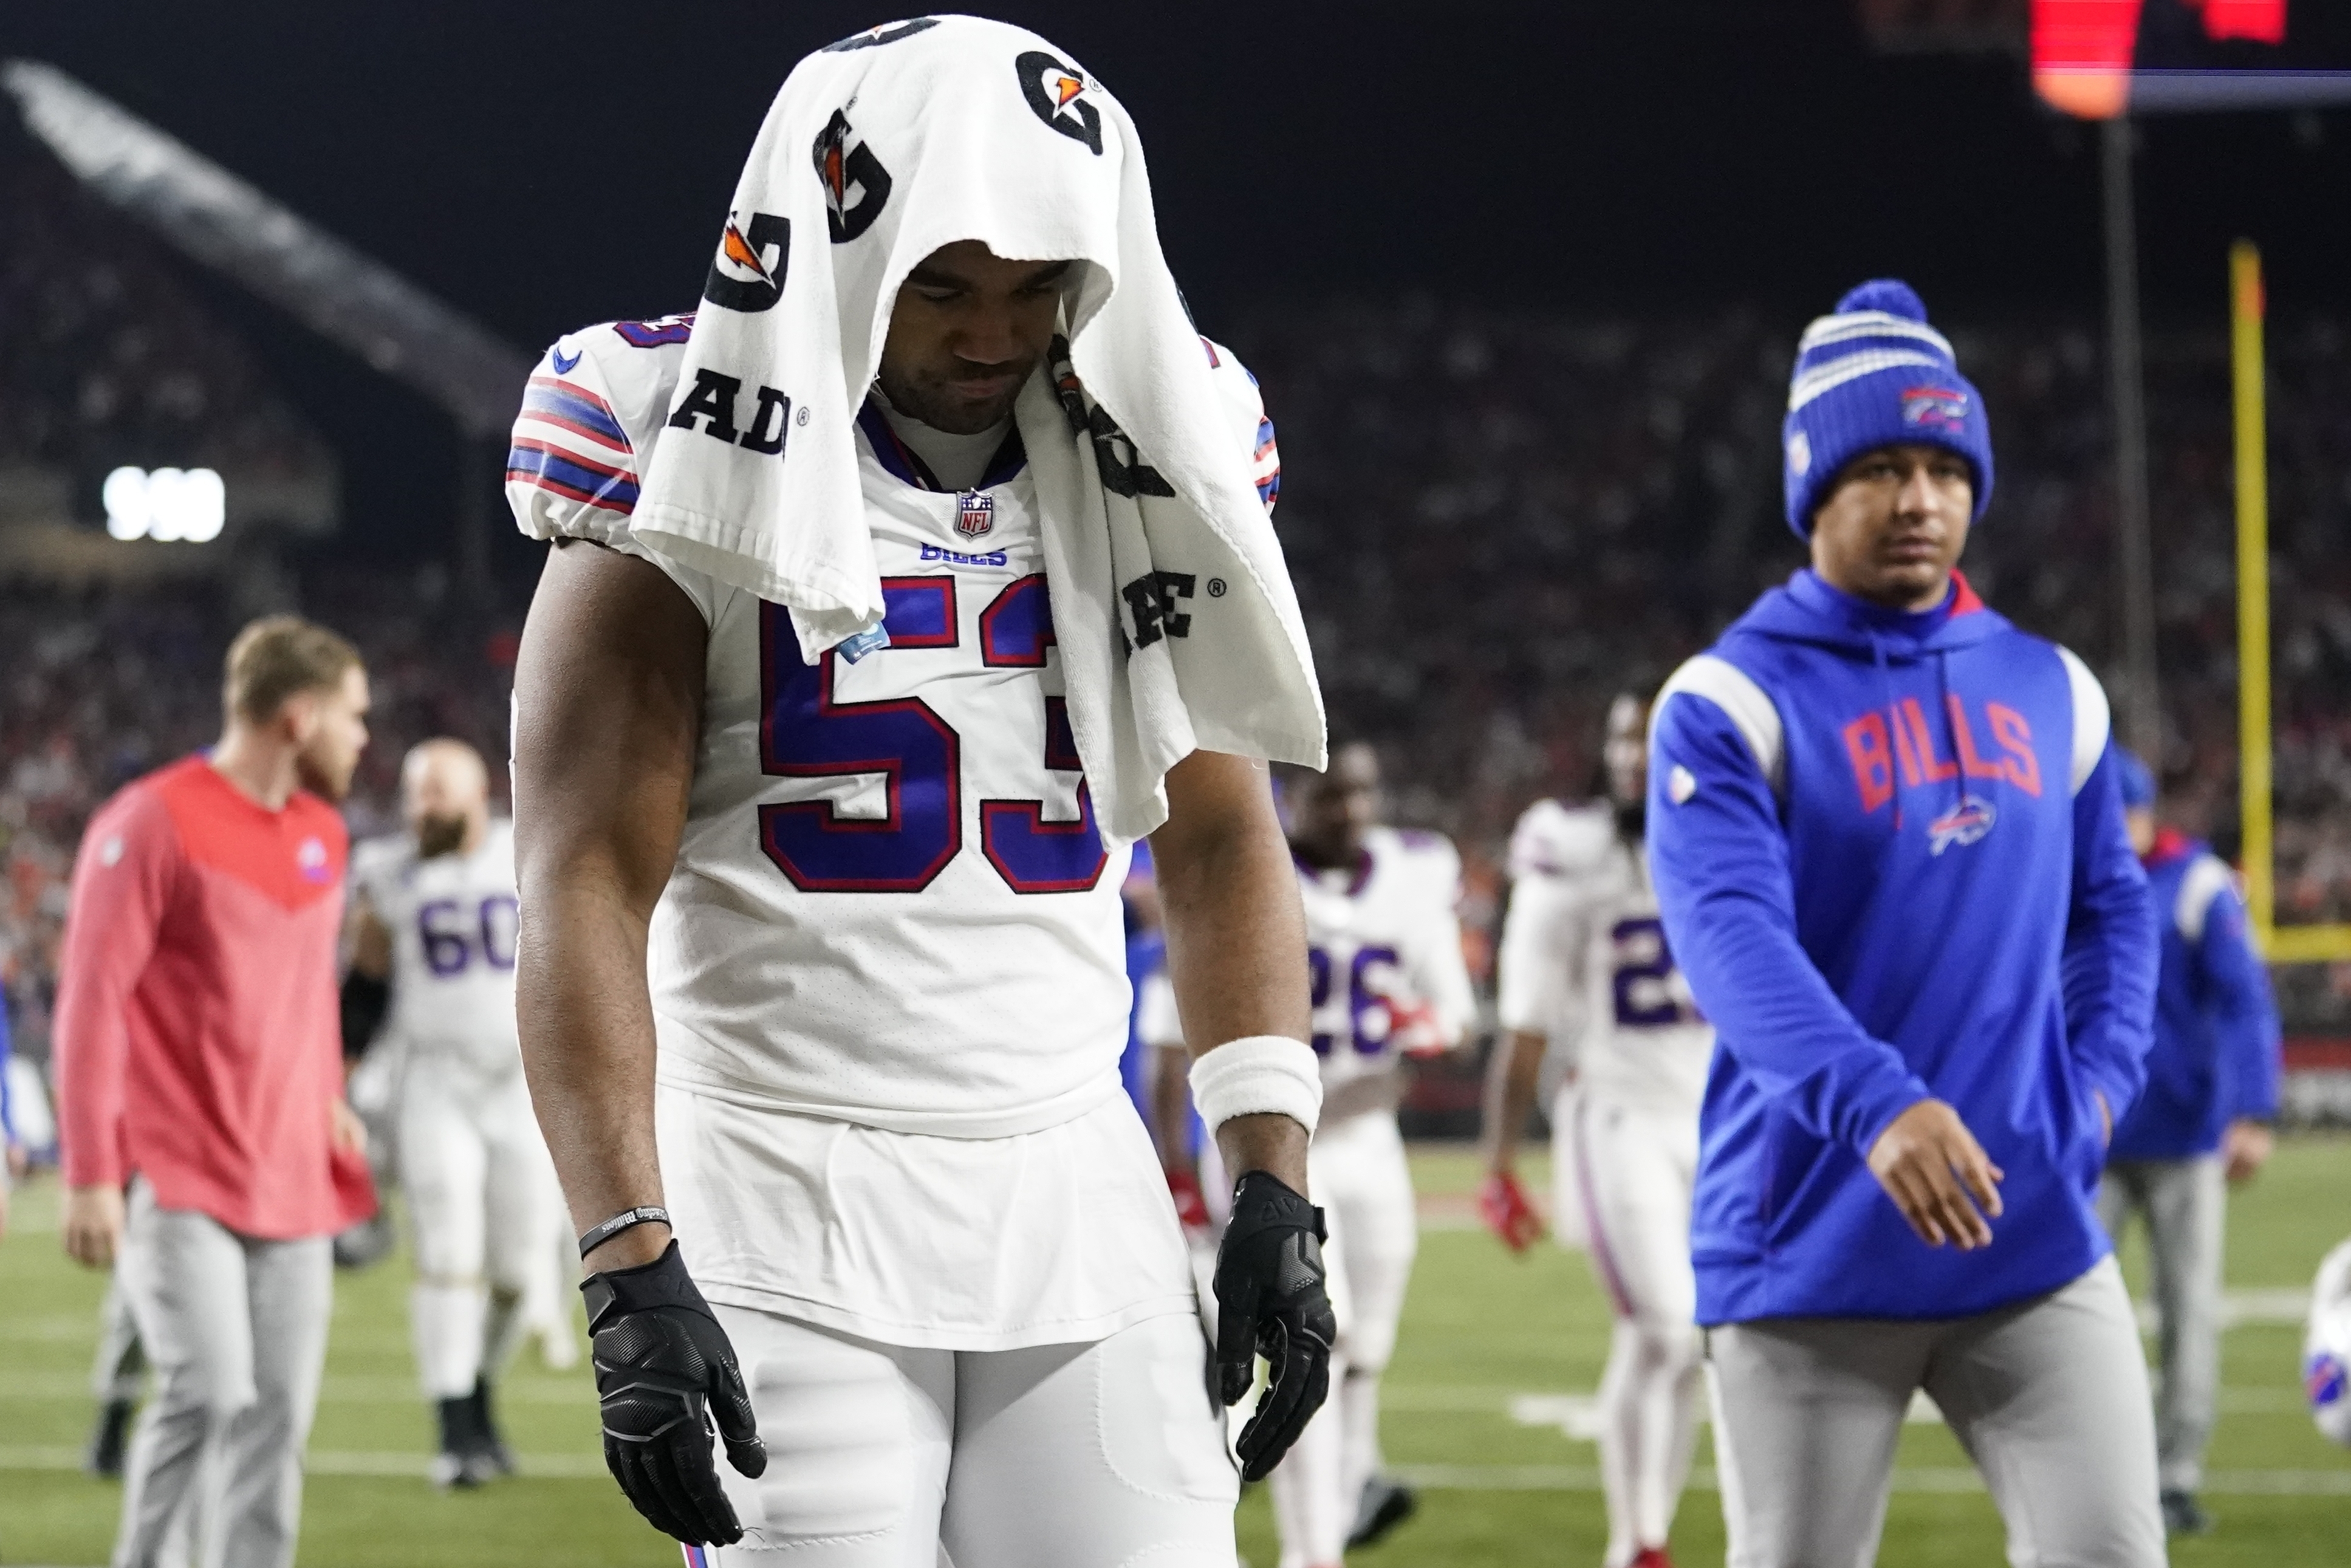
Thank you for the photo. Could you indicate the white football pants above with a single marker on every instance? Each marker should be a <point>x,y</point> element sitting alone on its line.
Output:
<point>1634,1169</point>
<point>2048,1396</point>
<point>1061,1455</point>
<point>1357,1171</point>
<point>481,1196</point>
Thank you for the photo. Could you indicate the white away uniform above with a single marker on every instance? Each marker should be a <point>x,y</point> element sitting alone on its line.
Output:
<point>889,988</point>
<point>1384,957</point>
<point>481,1191</point>
<point>1583,962</point>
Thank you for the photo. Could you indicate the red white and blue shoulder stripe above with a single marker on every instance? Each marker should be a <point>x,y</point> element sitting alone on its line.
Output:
<point>568,440</point>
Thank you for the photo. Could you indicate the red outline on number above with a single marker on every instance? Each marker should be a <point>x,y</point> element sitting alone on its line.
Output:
<point>890,767</point>
<point>944,586</point>
<point>1034,824</point>
<point>988,654</point>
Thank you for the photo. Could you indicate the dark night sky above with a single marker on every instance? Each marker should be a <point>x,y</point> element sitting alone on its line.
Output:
<point>547,164</point>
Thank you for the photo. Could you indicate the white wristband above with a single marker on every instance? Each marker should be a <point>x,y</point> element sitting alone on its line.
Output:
<point>1261,1074</point>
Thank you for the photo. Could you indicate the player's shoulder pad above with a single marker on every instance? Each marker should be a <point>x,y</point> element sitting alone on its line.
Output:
<point>1244,406</point>
<point>1425,859</point>
<point>378,860</point>
<point>2206,877</point>
<point>591,414</point>
<point>2092,717</point>
<point>1556,839</point>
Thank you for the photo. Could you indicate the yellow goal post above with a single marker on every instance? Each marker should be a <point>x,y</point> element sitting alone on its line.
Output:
<point>2290,944</point>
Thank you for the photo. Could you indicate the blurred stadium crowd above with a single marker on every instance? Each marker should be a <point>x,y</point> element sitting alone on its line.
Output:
<point>1496,520</point>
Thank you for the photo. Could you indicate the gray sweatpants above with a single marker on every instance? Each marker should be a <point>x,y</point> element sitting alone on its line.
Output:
<point>120,1370</point>
<point>2186,1204</point>
<point>2049,1397</point>
<point>237,1332</point>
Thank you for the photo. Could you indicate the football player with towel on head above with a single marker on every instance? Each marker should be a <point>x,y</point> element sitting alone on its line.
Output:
<point>1383,955</point>
<point>1888,844</point>
<point>1584,969</point>
<point>2201,1124</point>
<point>435,916</point>
<point>894,595</point>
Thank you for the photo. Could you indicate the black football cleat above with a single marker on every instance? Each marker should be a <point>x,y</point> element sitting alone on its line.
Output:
<point>1384,1505</point>
<point>110,1440</point>
<point>2183,1515</point>
<point>489,1443</point>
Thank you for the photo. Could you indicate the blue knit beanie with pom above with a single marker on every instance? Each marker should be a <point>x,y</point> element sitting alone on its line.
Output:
<point>1876,374</point>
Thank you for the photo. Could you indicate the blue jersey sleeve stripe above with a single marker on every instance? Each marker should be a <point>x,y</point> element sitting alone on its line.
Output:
<point>574,409</point>
<point>536,463</point>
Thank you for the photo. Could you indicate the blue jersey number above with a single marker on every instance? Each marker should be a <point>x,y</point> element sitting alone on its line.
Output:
<point>452,937</point>
<point>1644,972</point>
<point>1363,999</point>
<point>805,733</point>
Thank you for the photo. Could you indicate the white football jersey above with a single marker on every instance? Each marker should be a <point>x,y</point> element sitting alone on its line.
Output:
<point>452,920</point>
<point>1384,943</point>
<point>891,905</point>
<point>1583,961</point>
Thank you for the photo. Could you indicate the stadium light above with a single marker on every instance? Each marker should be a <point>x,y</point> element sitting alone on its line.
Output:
<point>169,505</point>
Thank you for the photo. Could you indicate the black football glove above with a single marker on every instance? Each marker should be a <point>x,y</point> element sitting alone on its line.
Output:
<point>664,1369</point>
<point>1271,1301</point>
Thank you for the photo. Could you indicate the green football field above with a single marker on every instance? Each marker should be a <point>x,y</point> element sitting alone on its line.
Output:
<point>1496,1357</point>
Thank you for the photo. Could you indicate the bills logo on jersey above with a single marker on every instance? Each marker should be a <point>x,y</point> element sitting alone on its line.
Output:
<point>845,163</point>
<point>748,273</point>
<point>975,513</point>
<point>1964,824</point>
<point>2326,1380</point>
<point>1934,408</point>
<point>311,859</point>
<point>1057,93</point>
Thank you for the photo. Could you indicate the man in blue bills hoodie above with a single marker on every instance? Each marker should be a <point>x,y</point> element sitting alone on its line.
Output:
<point>1886,838</point>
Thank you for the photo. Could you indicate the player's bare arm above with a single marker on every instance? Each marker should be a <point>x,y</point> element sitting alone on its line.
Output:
<point>1235,937</point>
<point>1511,1081</point>
<point>609,704</point>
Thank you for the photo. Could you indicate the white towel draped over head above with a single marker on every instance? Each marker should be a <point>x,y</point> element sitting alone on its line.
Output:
<point>1177,624</point>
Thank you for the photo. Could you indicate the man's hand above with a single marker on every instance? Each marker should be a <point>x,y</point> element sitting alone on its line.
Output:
<point>1930,1165</point>
<point>1271,1300</point>
<point>1503,1205</point>
<point>663,1370</point>
<point>347,1132</point>
<point>93,1224</point>
<point>2245,1148</point>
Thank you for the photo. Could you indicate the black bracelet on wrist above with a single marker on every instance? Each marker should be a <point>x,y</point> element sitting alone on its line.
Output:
<point>627,1219</point>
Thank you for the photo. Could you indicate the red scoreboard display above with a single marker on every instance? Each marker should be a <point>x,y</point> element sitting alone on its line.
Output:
<point>2099,58</point>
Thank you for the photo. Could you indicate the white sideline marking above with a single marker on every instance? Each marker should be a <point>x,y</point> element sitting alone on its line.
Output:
<point>1576,1416</point>
<point>69,1387</point>
<point>1908,1479</point>
<point>341,1462</point>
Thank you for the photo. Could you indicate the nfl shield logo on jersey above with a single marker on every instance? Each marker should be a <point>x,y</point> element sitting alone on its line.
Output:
<point>975,513</point>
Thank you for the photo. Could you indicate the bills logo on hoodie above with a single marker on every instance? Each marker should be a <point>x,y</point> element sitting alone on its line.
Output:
<point>845,163</point>
<point>1964,824</point>
<point>748,273</point>
<point>1934,408</point>
<point>1057,92</point>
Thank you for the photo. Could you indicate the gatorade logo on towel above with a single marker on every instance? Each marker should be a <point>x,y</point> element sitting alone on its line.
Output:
<point>844,164</point>
<point>1057,92</point>
<point>748,273</point>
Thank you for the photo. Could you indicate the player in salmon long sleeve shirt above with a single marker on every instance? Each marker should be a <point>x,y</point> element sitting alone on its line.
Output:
<point>200,1066</point>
